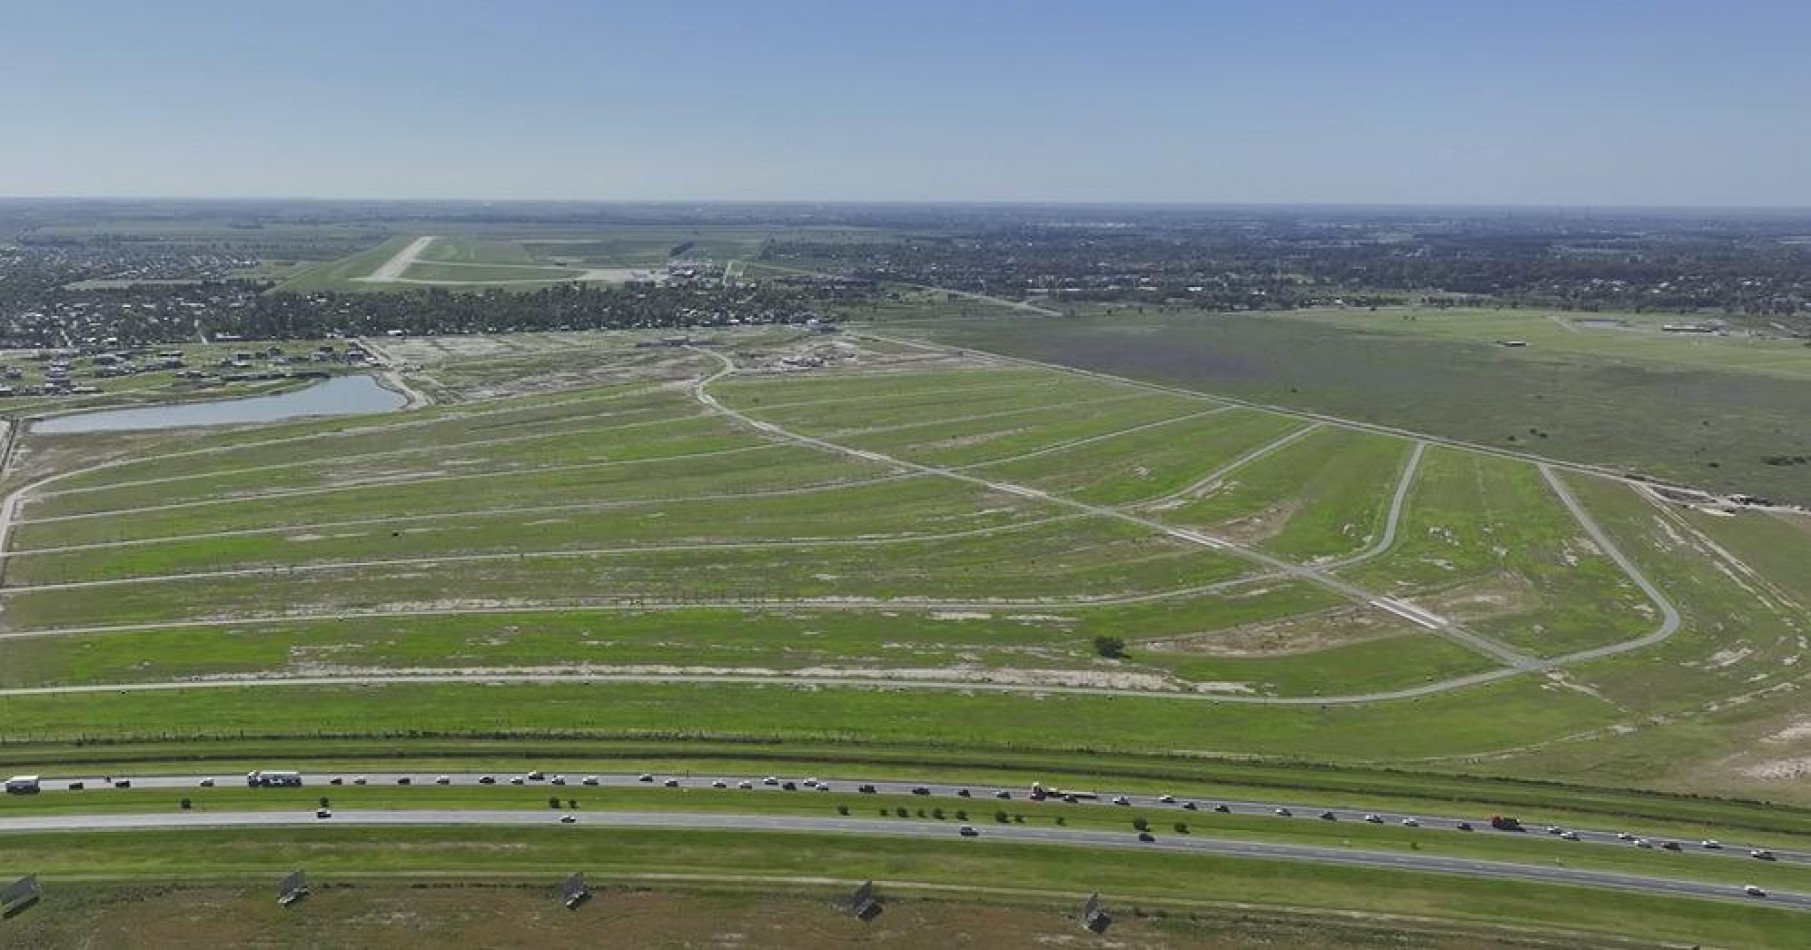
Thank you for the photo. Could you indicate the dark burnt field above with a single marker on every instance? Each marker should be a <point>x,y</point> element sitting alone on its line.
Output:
<point>1711,427</point>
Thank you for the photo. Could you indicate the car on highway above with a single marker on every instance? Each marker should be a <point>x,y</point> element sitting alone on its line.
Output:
<point>122,783</point>
<point>482,780</point>
<point>443,780</point>
<point>569,819</point>
<point>591,780</point>
<point>1670,846</point>
<point>920,790</point>
<point>1568,835</point>
<point>206,783</point>
<point>1223,809</point>
<point>1411,823</point>
<point>1761,854</point>
<point>1190,806</point>
<point>536,775</point>
<point>1643,843</point>
<point>1167,799</point>
<point>671,783</point>
<point>745,784</point>
<point>868,790</point>
<point>323,813</point>
<point>1463,826</point>
<point>404,780</point>
<point>770,780</point>
<point>1146,837</point>
<point>1002,794</point>
<point>518,780</point>
<point>1624,836</point>
<point>644,777</point>
<point>1120,800</point>
<point>810,782</point>
<point>1373,820</point>
<point>360,780</point>
<point>336,780</point>
<point>1711,844</point>
<point>1554,829</point>
<point>788,787</point>
<point>77,786</point>
<point>1329,816</point>
<point>962,793</point>
<point>557,780</point>
<point>1284,812</point>
<point>1753,891</point>
<point>968,831</point>
<point>719,784</point>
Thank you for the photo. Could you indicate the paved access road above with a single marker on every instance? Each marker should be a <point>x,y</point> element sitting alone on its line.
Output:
<point>681,821</point>
<point>982,800</point>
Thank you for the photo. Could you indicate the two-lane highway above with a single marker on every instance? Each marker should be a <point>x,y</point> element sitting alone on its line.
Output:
<point>691,821</point>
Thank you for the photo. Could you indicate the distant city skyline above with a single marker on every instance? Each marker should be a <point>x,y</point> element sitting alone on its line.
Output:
<point>1591,104</point>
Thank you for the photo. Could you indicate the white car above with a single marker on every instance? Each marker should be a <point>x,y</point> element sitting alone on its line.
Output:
<point>1643,843</point>
<point>1373,819</point>
<point>1284,812</point>
<point>1121,800</point>
<point>1410,823</point>
<point>444,780</point>
<point>590,780</point>
<point>719,784</point>
<point>1624,836</point>
<point>518,780</point>
<point>1761,854</point>
<point>745,784</point>
<point>207,783</point>
<point>1167,799</point>
<point>557,780</point>
<point>1569,835</point>
<point>1711,844</point>
<point>770,780</point>
<point>1753,891</point>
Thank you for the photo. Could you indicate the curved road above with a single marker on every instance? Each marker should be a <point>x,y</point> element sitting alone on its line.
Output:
<point>1347,589</point>
<point>1514,662</point>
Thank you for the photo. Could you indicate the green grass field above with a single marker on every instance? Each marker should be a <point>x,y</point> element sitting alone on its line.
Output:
<point>916,560</point>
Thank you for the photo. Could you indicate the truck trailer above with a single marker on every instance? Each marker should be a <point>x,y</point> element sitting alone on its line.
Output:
<point>269,778</point>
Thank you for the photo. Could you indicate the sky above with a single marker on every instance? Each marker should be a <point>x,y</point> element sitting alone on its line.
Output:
<point>1585,102</point>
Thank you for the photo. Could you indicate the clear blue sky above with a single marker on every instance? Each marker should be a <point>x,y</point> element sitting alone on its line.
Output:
<point>1646,102</point>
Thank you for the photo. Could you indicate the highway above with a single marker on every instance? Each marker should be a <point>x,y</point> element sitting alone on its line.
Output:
<point>981,799</point>
<point>986,832</point>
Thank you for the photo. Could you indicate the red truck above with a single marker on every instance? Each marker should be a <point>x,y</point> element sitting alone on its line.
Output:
<point>1505,823</point>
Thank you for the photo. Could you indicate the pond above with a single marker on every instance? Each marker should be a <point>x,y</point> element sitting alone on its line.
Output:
<point>339,396</point>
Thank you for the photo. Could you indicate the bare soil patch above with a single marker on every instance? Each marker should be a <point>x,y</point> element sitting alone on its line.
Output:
<point>1498,594</point>
<point>1303,633</point>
